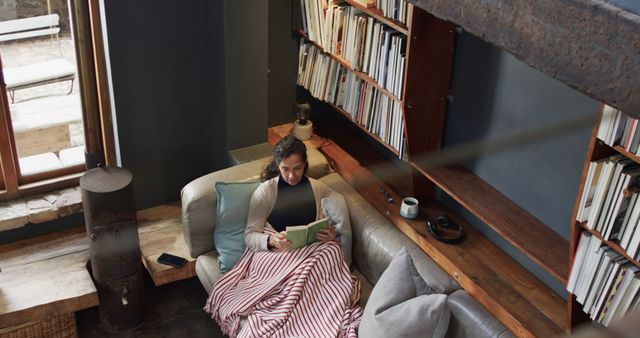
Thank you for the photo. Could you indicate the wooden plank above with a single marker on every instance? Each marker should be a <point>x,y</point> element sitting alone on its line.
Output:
<point>24,24</point>
<point>377,14</point>
<point>45,276</point>
<point>536,240</point>
<point>511,293</point>
<point>429,62</point>
<point>43,140</point>
<point>160,230</point>
<point>29,34</point>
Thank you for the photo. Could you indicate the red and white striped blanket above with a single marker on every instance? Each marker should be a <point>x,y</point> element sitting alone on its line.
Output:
<point>308,292</point>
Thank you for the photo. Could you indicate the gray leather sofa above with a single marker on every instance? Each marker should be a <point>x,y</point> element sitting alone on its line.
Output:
<point>375,242</point>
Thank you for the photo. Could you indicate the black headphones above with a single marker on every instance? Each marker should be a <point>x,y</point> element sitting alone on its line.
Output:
<point>445,222</point>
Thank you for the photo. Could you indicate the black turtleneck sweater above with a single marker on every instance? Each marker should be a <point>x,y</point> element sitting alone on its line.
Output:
<point>295,205</point>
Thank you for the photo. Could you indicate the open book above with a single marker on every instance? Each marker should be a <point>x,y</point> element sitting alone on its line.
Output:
<point>301,235</point>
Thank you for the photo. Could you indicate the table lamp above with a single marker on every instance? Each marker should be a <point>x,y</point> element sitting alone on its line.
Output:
<point>303,127</point>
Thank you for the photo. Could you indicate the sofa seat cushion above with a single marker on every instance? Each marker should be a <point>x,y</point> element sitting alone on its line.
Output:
<point>365,288</point>
<point>207,269</point>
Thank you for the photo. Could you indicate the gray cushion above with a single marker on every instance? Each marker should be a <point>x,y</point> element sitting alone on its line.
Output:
<point>334,207</point>
<point>401,305</point>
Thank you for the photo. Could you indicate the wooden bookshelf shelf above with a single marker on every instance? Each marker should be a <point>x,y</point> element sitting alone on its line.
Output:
<point>374,136</point>
<point>377,14</point>
<point>626,153</point>
<point>347,64</point>
<point>614,245</point>
<point>510,292</point>
<point>513,223</point>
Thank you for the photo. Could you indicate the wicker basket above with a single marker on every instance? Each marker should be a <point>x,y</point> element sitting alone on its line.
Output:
<point>58,327</point>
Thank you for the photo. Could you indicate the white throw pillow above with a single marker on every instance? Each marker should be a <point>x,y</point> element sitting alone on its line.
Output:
<point>334,207</point>
<point>400,305</point>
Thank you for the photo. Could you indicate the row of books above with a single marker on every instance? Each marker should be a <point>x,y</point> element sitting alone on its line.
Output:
<point>603,281</point>
<point>398,10</point>
<point>328,80</point>
<point>367,45</point>
<point>617,128</point>
<point>609,202</point>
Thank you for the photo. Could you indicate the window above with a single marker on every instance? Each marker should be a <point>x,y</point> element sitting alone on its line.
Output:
<point>42,115</point>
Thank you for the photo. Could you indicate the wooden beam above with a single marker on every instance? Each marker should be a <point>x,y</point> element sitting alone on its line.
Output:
<point>591,45</point>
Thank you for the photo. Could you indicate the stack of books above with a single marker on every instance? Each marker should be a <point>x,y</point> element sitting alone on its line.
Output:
<point>619,129</point>
<point>359,40</point>
<point>609,203</point>
<point>398,10</point>
<point>603,281</point>
<point>353,47</point>
<point>327,80</point>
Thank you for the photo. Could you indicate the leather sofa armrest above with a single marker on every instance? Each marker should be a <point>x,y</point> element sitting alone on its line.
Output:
<point>199,202</point>
<point>470,319</point>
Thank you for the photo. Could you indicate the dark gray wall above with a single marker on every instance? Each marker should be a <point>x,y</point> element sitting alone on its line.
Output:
<point>283,61</point>
<point>190,83</point>
<point>495,95</point>
<point>632,6</point>
<point>246,47</point>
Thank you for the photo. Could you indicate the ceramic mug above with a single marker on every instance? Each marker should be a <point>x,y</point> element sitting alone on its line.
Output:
<point>409,207</point>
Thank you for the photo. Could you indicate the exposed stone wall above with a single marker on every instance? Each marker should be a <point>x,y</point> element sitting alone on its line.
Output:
<point>40,209</point>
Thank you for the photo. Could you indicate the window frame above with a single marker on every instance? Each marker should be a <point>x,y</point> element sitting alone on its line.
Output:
<point>92,83</point>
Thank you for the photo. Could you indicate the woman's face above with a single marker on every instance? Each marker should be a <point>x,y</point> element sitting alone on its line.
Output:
<point>292,169</point>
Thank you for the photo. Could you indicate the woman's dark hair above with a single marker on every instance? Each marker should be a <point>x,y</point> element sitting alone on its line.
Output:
<point>286,147</point>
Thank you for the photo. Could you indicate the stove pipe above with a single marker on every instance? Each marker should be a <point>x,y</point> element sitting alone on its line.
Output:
<point>110,218</point>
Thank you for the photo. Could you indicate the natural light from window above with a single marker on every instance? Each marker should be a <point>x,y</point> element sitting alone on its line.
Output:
<point>39,66</point>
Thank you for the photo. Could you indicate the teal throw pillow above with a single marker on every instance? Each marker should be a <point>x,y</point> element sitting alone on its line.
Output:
<point>233,208</point>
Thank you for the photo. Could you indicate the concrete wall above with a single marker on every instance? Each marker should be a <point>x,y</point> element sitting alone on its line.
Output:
<point>495,95</point>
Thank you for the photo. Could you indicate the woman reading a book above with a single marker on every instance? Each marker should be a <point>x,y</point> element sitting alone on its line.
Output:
<point>277,291</point>
<point>287,197</point>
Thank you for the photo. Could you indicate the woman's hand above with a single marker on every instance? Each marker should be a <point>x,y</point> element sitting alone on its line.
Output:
<point>279,242</point>
<point>327,234</point>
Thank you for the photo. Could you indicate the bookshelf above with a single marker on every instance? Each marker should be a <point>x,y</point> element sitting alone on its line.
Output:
<point>578,309</point>
<point>510,292</point>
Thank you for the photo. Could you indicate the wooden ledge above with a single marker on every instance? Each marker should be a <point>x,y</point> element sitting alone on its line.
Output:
<point>45,276</point>
<point>160,230</point>
<point>534,238</point>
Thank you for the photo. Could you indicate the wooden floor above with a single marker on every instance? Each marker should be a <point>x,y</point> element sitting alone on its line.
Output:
<point>511,293</point>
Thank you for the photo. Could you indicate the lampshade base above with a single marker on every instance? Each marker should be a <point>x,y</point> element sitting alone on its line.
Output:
<point>303,132</point>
